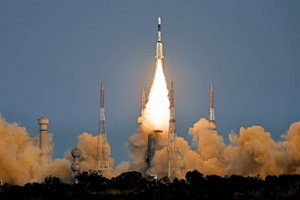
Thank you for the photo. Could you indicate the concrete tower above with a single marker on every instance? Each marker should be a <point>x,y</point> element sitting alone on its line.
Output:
<point>102,163</point>
<point>43,122</point>
<point>76,166</point>
<point>173,157</point>
<point>212,106</point>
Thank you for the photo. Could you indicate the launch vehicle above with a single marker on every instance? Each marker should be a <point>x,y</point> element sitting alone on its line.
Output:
<point>159,46</point>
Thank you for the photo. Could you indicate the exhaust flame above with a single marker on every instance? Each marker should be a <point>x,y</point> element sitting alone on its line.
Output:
<point>157,113</point>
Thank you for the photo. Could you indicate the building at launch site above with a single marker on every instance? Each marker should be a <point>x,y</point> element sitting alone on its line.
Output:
<point>152,146</point>
<point>43,122</point>
<point>76,166</point>
<point>102,162</point>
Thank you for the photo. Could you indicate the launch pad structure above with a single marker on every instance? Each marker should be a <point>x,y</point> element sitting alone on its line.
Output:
<point>102,155</point>
<point>102,162</point>
<point>152,146</point>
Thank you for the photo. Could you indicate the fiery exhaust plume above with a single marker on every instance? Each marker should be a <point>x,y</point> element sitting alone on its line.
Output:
<point>157,114</point>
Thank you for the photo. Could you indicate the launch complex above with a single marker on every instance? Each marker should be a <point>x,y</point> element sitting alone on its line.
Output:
<point>153,143</point>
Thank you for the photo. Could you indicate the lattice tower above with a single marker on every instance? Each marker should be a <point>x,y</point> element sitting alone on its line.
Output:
<point>172,149</point>
<point>102,162</point>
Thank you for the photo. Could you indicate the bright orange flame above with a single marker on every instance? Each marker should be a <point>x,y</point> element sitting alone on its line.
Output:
<point>157,113</point>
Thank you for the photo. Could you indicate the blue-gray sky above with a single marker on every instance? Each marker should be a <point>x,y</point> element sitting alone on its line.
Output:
<point>55,54</point>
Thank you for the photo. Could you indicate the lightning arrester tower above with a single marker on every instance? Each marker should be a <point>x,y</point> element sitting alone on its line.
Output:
<point>172,150</point>
<point>43,122</point>
<point>102,163</point>
<point>143,100</point>
<point>212,106</point>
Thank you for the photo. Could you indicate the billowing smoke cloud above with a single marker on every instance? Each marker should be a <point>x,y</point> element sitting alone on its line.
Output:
<point>88,146</point>
<point>252,152</point>
<point>20,160</point>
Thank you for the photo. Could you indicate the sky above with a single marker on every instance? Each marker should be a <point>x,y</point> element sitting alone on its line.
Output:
<point>55,54</point>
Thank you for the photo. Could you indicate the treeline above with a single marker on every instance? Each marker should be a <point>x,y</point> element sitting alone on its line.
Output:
<point>132,185</point>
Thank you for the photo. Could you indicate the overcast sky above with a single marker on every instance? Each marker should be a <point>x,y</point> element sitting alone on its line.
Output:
<point>55,54</point>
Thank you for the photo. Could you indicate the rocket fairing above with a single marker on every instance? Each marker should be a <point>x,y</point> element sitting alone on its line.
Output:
<point>159,46</point>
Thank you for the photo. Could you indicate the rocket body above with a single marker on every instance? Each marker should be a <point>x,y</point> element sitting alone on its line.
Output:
<point>212,106</point>
<point>159,46</point>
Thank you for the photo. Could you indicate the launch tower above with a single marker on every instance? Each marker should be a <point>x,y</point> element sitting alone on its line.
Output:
<point>173,157</point>
<point>102,163</point>
<point>152,146</point>
<point>43,122</point>
<point>212,106</point>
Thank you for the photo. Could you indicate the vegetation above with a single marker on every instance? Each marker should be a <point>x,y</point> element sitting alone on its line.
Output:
<point>132,185</point>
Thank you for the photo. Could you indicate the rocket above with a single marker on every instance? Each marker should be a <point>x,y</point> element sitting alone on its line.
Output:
<point>159,46</point>
<point>212,106</point>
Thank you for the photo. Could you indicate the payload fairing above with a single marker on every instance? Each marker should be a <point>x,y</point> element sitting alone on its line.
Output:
<point>159,46</point>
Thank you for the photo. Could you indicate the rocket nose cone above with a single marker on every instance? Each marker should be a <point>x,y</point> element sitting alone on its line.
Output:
<point>159,20</point>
